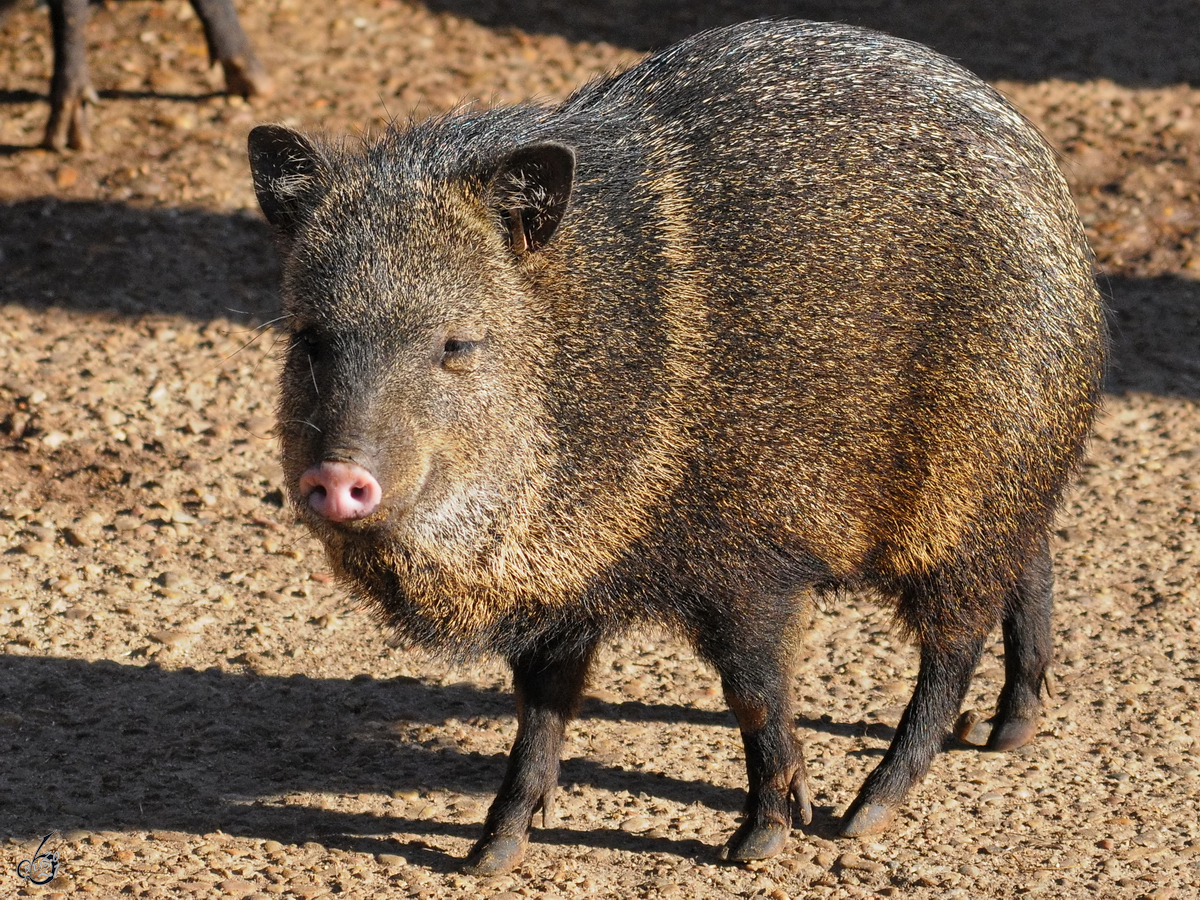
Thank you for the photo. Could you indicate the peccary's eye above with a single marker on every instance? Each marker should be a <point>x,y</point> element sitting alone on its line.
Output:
<point>460,354</point>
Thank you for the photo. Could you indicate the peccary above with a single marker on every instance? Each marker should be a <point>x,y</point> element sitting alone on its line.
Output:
<point>71,89</point>
<point>785,309</point>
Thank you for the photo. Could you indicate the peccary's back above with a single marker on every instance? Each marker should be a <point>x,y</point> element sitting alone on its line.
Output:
<point>873,283</point>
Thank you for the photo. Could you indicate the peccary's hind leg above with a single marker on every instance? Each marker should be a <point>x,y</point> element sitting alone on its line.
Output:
<point>945,675</point>
<point>754,669</point>
<point>71,90</point>
<point>228,44</point>
<point>1028,652</point>
<point>547,689</point>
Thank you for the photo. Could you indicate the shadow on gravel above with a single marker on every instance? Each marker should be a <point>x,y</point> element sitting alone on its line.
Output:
<point>1155,326</point>
<point>92,256</point>
<point>1151,43</point>
<point>99,745</point>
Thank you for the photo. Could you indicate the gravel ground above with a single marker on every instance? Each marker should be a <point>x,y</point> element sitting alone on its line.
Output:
<point>195,709</point>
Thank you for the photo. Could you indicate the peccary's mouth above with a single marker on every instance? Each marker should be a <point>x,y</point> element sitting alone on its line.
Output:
<point>374,524</point>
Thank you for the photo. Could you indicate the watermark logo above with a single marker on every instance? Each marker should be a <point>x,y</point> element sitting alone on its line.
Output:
<point>43,867</point>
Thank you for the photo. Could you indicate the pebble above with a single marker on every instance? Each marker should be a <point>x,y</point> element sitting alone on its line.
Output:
<point>236,887</point>
<point>76,538</point>
<point>172,638</point>
<point>636,824</point>
<point>854,861</point>
<point>170,579</point>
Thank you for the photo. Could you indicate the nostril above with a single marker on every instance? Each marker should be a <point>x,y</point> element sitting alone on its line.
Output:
<point>340,491</point>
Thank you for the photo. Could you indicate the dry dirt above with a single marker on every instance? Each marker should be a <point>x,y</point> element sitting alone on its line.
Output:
<point>195,709</point>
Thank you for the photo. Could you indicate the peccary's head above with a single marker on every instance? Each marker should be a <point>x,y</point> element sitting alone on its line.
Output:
<point>411,419</point>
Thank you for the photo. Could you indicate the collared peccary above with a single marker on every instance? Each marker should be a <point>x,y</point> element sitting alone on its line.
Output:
<point>784,309</point>
<point>71,89</point>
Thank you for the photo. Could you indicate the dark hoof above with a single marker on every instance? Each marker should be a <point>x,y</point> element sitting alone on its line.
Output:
<point>1012,734</point>
<point>868,819</point>
<point>68,125</point>
<point>495,855</point>
<point>247,78</point>
<point>973,729</point>
<point>760,842</point>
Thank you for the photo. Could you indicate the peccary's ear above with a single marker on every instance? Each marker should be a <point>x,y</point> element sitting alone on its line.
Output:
<point>530,190</point>
<point>283,163</point>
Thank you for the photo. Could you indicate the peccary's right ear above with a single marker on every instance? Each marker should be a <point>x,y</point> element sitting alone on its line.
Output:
<point>530,189</point>
<point>284,164</point>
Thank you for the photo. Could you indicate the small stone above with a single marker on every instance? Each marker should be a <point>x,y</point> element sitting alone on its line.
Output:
<point>38,549</point>
<point>636,824</point>
<point>272,846</point>
<point>391,859</point>
<point>856,862</point>
<point>236,887</point>
<point>170,837</point>
<point>171,638</point>
<point>76,538</point>
<point>170,579</point>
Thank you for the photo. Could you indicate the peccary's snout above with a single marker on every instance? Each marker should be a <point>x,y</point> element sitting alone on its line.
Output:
<point>340,491</point>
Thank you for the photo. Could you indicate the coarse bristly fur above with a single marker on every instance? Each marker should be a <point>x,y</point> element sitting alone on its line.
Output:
<point>785,308</point>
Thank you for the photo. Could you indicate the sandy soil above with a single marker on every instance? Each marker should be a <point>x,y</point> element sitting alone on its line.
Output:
<point>195,709</point>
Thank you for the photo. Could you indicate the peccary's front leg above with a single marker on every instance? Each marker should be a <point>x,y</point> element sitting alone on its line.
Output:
<point>228,44</point>
<point>70,87</point>
<point>754,669</point>
<point>547,688</point>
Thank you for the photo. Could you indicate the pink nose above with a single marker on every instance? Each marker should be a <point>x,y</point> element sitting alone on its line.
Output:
<point>340,491</point>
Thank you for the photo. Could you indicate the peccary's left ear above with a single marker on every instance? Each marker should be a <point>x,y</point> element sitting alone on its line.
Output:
<point>284,164</point>
<point>530,189</point>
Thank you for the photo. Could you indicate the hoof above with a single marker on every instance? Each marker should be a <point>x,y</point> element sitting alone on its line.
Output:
<point>989,734</point>
<point>868,819</point>
<point>247,78</point>
<point>761,842</point>
<point>973,729</point>
<point>495,855</point>
<point>1012,734</point>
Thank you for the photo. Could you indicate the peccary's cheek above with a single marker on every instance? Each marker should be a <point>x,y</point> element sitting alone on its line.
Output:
<point>299,430</point>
